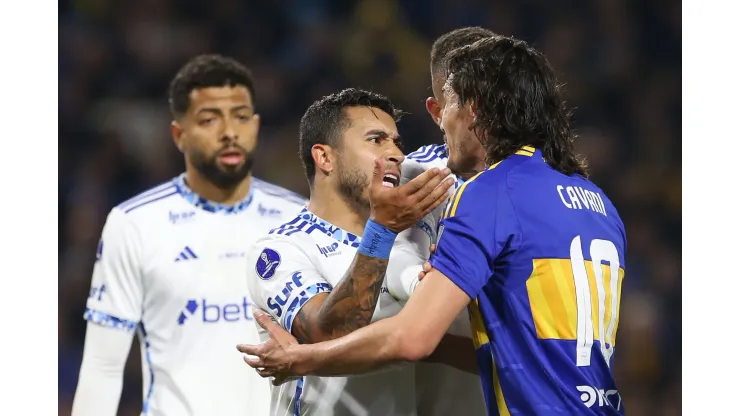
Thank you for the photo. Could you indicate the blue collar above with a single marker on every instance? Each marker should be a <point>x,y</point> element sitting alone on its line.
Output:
<point>210,206</point>
<point>339,234</point>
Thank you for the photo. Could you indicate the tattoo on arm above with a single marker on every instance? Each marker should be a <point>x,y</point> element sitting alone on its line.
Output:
<point>348,307</point>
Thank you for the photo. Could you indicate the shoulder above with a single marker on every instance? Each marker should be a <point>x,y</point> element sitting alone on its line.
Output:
<point>272,251</point>
<point>429,154</point>
<point>278,194</point>
<point>139,208</point>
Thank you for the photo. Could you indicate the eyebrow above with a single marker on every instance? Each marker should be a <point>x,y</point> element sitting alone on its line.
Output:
<point>384,134</point>
<point>218,110</point>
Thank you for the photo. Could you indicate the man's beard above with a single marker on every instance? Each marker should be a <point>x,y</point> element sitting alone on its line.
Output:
<point>224,177</point>
<point>352,184</point>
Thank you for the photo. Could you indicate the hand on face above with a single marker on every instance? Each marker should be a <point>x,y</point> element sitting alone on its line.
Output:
<point>398,208</point>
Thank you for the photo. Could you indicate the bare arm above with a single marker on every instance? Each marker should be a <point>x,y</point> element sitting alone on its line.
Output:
<point>348,307</point>
<point>411,335</point>
<point>351,303</point>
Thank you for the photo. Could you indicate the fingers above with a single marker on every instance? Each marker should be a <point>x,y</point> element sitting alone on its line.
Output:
<point>276,331</point>
<point>262,318</point>
<point>426,269</point>
<point>253,361</point>
<point>378,171</point>
<point>437,196</point>
<point>432,248</point>
<point>250,349</point>
<point>418,182</point>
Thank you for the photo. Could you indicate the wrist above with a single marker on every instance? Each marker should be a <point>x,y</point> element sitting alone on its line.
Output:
<point>377,240</point>
<point>304,359</point>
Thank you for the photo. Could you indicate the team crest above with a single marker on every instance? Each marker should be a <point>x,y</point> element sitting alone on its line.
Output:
<point>268,261</point>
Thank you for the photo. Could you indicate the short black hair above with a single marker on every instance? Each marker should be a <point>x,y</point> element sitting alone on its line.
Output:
<point>517,101</point>
<point>325,121</point>
<point>451,41</point>
<point>206,71</point>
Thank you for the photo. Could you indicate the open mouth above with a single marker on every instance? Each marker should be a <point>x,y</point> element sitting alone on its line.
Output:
<point>391,180</point>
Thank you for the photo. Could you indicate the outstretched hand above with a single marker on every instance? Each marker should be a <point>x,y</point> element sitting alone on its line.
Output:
<point>277,357</point>
<point>399,207</point>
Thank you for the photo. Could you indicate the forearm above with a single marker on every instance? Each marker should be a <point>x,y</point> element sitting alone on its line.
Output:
<point>351,303</point>
<point>456,351</point>
<point>365,350</point>
<point>101,374</point>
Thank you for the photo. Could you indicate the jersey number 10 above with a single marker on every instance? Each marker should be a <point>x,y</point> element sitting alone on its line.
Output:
<point>601,251</point>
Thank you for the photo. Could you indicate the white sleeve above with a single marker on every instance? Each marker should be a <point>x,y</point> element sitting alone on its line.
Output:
<point>101,374</point>
<point>411,248</point>
<point>281,278</point>
<point>410,251</point>
<point>116,293</point>
<point>113,312</point>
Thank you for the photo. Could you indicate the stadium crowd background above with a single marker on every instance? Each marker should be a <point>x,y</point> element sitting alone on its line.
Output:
<point>620,61</point>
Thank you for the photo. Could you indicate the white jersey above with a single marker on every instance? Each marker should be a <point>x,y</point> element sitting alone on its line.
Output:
<point>440,389</point>
<point>295,262</point>
<point>170,266</point>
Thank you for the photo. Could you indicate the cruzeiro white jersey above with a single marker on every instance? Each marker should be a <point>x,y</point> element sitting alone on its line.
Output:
<point>170,265</point>
<point>295,262</point>
<point>440,389</point>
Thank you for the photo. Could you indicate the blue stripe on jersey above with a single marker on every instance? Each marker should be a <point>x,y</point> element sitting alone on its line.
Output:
<point>109,321</point>
<point>298,391</point>
<point>168,192</point>
<point>146,194</point>
<point>148,358</point>
<point>277,191</point>
<point>190,196</point>
<point>308,222</point>
<point>429,153</point>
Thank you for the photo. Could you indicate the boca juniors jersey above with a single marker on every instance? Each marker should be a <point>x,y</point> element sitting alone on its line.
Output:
<point>541,256</point>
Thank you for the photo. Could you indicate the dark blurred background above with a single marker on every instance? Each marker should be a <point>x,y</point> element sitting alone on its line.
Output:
<point>620,62</point>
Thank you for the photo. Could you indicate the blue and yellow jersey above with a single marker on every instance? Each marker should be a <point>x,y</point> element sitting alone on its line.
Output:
<point>541,255</point>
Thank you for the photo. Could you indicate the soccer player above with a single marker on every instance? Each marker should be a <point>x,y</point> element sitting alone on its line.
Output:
<point>171,261</point>
<point>532,247</point>
<point>440,389</point>
<point>316,275</point>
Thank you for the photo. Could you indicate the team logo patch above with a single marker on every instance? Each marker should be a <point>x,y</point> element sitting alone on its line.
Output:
<point>268,261</point>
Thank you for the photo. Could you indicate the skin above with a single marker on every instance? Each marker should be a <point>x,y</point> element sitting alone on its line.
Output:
<point>412,335</point>
<point>348,190</point>
<point>466,154</point>
<point>219,122</point>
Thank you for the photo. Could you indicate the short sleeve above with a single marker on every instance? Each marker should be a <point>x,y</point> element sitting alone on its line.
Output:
<point>477,223</point>
<point>116,295</point>
<point>281,278</point>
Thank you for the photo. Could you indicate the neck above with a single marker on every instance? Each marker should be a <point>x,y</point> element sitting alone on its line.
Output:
<point>211,192</point>
<point>327,204</point>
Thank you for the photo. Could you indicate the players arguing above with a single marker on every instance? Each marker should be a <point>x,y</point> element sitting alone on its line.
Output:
<point>440,389</point>
<point>170,264</point>
<point>317,274</point>
<point>542,280</point>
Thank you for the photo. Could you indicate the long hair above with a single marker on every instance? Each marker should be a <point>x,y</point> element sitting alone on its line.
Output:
<point>516,99</point>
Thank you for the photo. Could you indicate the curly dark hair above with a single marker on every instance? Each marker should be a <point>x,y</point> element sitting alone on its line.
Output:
<point>206,71</point>
<point>517,101</point>
<point>451,41</point>
<point>325,121</point>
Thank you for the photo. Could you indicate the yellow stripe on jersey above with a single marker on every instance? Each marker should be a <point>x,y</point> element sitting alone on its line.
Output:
<point>455,200</point>
<point>552,299</point>
<point>525,151</point>
<point>480,338</point>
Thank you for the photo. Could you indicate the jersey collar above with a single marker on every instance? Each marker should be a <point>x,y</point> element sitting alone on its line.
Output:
<point>527,151</point>
<point>210,206</point>
<point>339,234</point>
